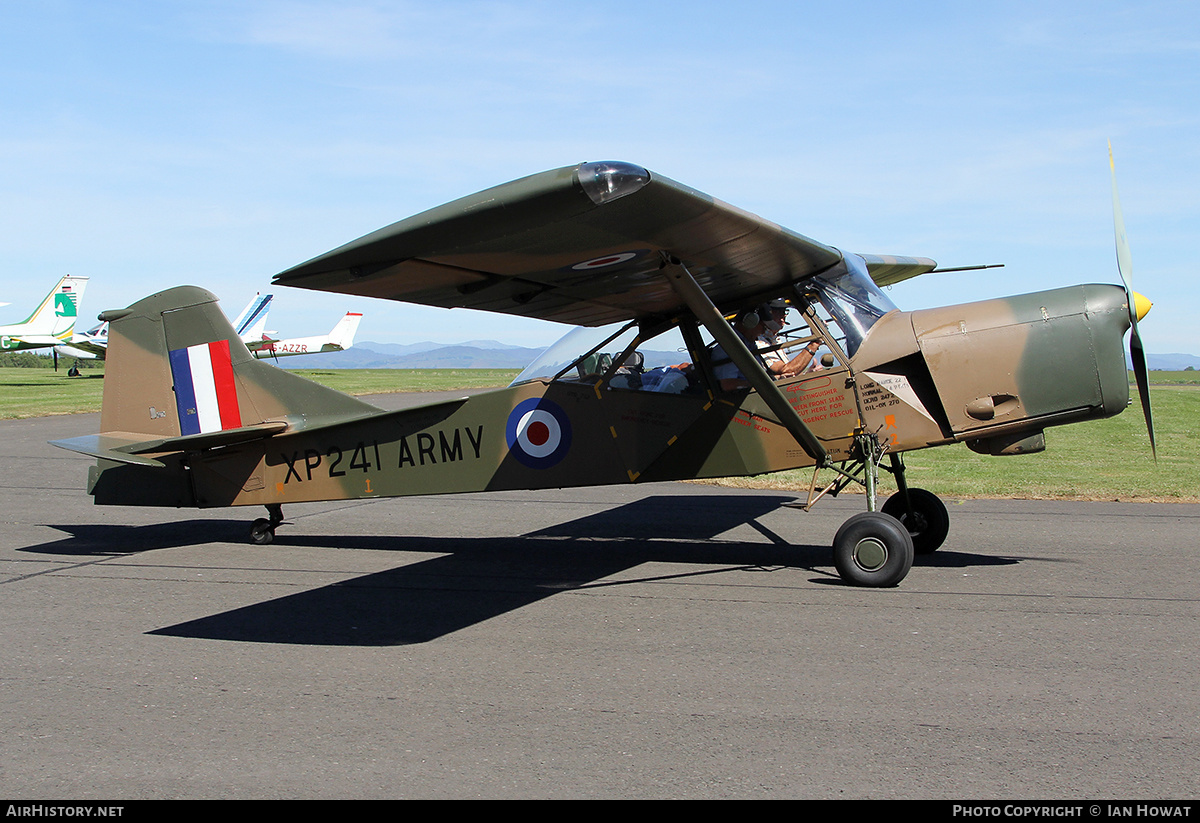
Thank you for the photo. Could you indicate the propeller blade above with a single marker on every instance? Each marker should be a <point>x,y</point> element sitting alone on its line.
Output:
<point>1137,353</point>
<point>1124,262</point>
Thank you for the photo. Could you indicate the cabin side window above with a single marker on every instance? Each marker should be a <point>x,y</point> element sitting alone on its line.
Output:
<point>620,357</point>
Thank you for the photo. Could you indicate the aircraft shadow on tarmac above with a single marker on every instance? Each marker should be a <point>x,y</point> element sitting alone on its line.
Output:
<point>474,579</point>
<point>99,540</point>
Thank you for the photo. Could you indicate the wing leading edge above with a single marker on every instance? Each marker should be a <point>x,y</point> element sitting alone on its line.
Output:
<point>582,245</point>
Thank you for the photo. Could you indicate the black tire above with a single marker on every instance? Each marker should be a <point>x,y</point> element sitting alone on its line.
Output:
<point>930,522</point>
<point>872,549</point>
<point>261,532</point>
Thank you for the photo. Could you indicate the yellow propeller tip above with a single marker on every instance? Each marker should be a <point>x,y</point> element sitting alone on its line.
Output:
<point>1141,305</point>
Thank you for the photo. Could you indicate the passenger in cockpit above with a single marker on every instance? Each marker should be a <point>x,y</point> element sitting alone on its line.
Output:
<point>667,379</point>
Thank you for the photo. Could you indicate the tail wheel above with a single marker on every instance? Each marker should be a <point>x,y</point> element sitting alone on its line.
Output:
<point>929,523</point>
<point>872,549</point>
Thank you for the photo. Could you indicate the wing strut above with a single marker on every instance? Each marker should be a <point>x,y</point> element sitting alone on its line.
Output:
<point>694,296</point>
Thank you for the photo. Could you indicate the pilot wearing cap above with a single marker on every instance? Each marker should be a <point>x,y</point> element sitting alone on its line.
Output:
<point>776,313</point>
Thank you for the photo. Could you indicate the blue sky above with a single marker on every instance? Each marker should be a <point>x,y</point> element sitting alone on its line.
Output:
<point>151,144</point>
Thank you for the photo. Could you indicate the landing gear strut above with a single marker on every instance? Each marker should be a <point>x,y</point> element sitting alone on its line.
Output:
<point>876,547</point>
<point>262,530</point>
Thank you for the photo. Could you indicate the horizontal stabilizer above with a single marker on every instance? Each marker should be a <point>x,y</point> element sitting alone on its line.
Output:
<point>106,447</point>
<point>210,440</point>
<point>38,340</point>
<point>129,449</point>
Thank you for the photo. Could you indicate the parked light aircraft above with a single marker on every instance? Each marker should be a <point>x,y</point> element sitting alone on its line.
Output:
<point>250,327</point>
<point>190,418</point>
<point>93,344</point>
<point>86,345</point>
<point>51,323</point>
<point>339,339</point>
<point>251,324</point>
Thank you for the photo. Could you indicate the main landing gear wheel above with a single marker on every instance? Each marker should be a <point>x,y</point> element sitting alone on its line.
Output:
<point>262,530</point>
<point>930,522</point>
<point>872,549</point>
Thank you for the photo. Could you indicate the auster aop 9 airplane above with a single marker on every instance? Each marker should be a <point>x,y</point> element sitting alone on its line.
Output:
<point>190,418</point>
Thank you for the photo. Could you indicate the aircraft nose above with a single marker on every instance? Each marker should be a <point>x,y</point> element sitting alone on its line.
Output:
<point>1141,305</point>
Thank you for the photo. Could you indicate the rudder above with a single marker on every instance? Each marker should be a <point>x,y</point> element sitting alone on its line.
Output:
<point>343,333</point>
<point>55,315</point>
<point>176,367</point>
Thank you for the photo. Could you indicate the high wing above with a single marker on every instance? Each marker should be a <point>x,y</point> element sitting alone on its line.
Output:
<point>583,245</point>
<point>888,270</point>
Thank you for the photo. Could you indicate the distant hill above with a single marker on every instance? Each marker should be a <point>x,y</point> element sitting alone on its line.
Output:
<point>1172,362</point>
<point>429,345</point>
<point>492,354</point>
<point>474,354</point>
<point>1167,362</point>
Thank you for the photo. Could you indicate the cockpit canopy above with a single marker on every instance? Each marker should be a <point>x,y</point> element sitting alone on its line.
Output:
<point>851,299</point>
<point>847,302</point>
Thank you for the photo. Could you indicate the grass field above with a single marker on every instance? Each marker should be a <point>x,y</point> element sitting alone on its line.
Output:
<point>1101,460</point>
<point>1098,460</point>
<point>38,392</point>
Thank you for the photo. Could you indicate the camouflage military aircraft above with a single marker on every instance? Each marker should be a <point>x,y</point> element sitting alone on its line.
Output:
<point>190,418</point>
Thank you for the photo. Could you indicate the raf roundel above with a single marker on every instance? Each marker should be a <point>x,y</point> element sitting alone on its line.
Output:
<point>538,433</point>
<point>605,261</point>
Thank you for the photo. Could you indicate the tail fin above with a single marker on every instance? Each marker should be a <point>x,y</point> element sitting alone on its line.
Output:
<point>343,333</point>
<point>55,315</point>
<point>177,368</point>
<point>252,322</point>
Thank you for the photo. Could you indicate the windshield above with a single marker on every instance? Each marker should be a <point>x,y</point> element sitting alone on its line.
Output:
<point>852,300</point>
